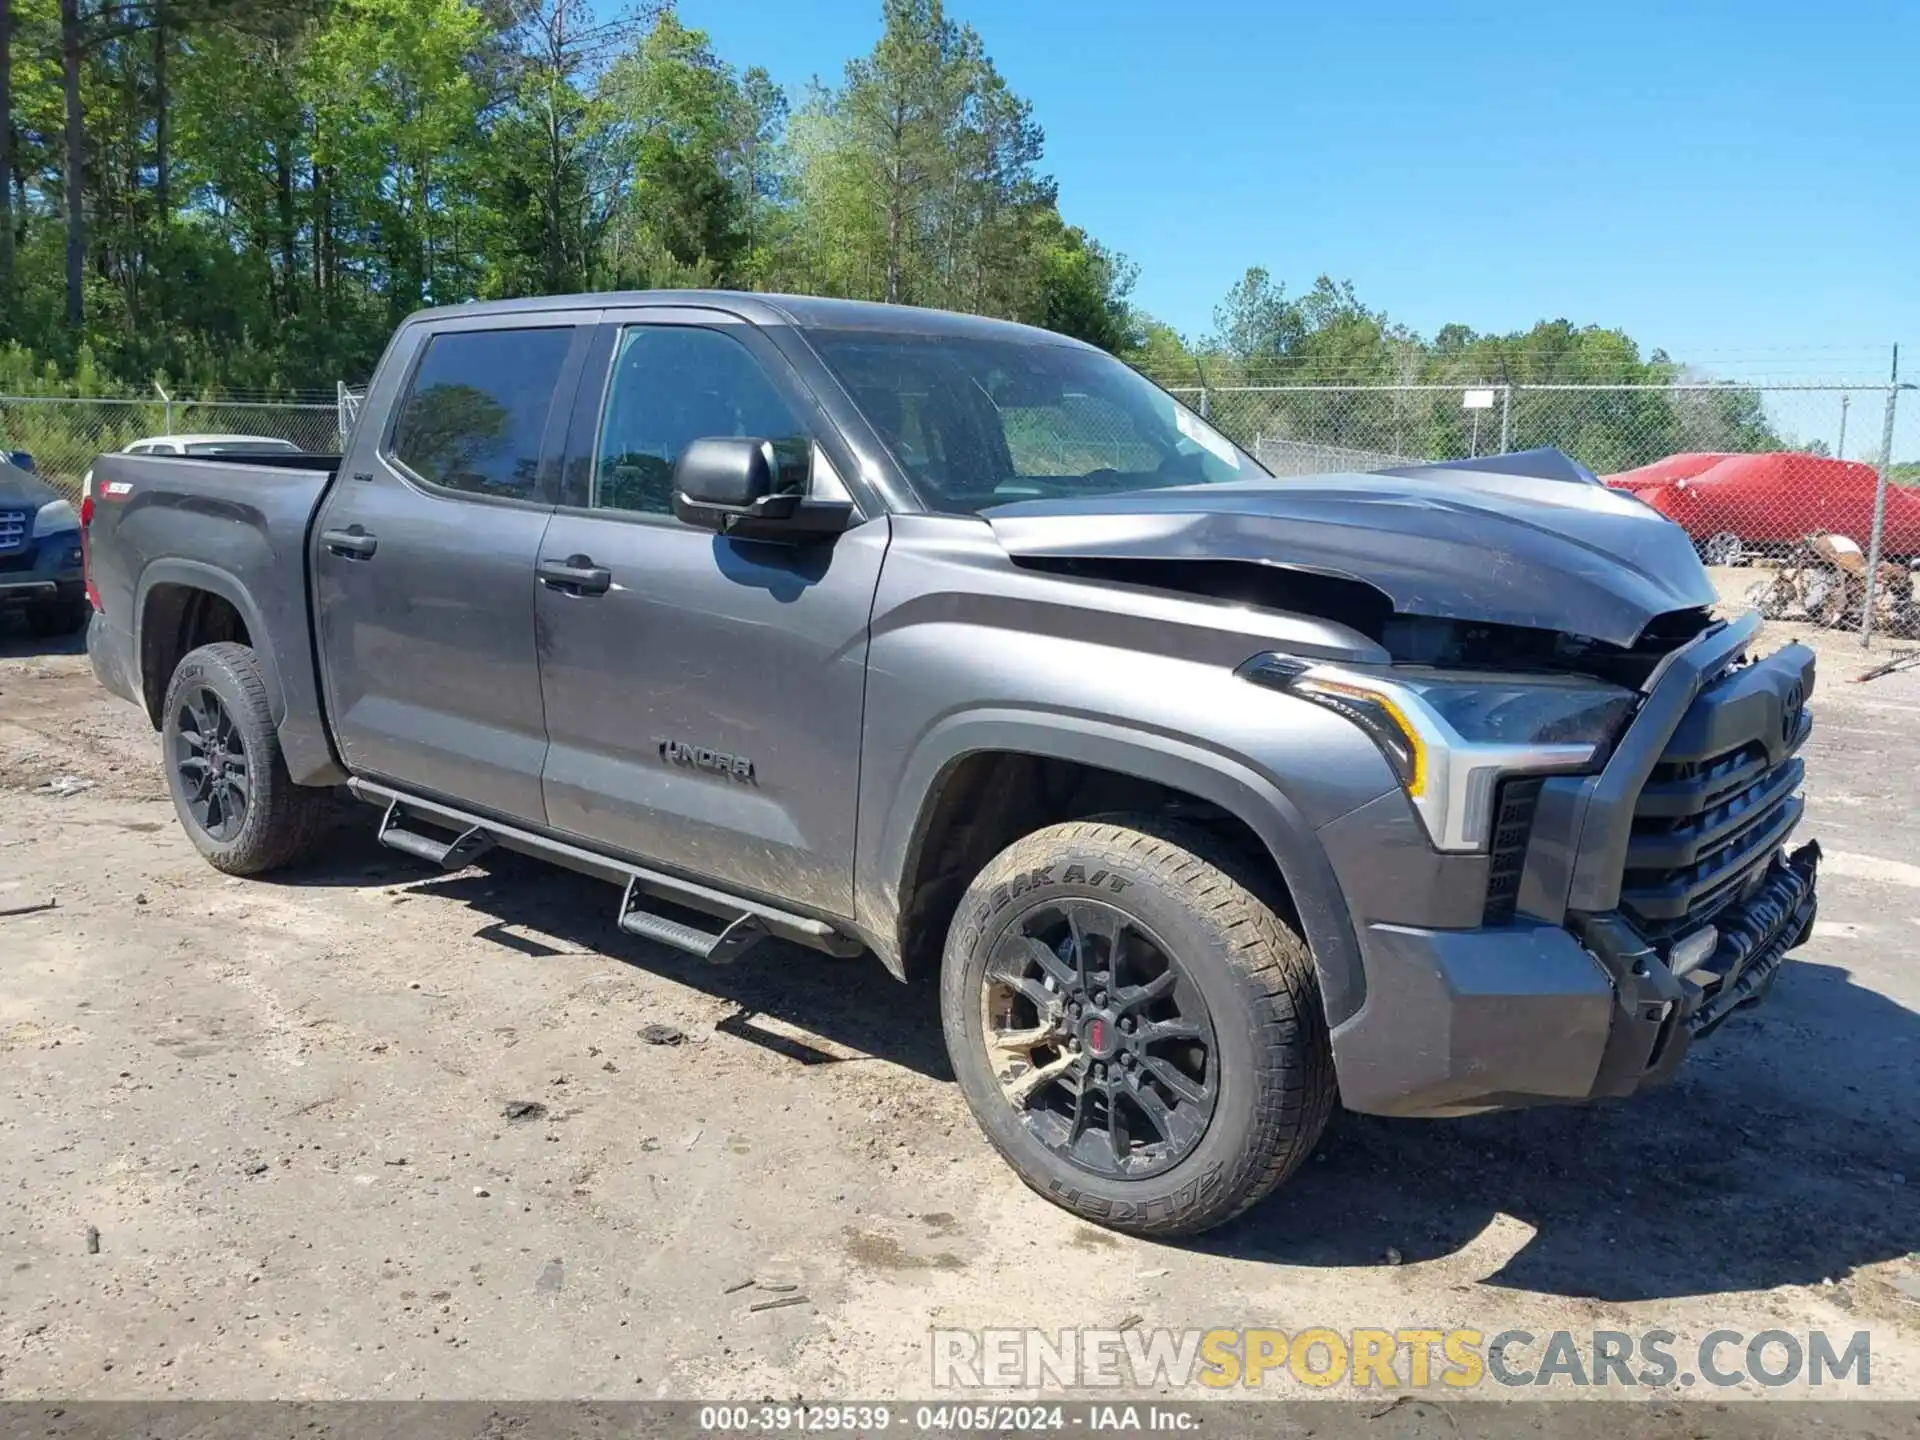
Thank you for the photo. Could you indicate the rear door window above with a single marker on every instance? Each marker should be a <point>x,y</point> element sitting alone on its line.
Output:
<point>475,411</point>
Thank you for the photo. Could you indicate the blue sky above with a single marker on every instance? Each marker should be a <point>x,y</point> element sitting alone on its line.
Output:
<point>1738,183</point>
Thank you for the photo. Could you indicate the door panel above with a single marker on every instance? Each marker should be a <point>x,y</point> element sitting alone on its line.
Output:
<point>704,708</point>
<point>752,652</point>
<point>423,565</point>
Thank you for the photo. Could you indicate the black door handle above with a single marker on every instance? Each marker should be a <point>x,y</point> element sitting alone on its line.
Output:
<point>353,542</point>
<point>576,575</point>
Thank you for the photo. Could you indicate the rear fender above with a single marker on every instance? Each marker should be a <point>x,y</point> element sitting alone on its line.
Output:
<point>296,715</point>
<point>196,575</point>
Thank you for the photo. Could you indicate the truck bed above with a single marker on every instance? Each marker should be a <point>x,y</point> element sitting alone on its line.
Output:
<point>164,526</point>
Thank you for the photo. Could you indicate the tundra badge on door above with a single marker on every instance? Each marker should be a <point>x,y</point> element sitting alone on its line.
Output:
<point>698,757</point>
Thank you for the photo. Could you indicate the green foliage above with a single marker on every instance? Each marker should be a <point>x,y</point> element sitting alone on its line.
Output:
<point>1318,353</point>
<point>271,184</point>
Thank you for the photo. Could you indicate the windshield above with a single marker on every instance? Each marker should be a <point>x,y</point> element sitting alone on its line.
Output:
<point>977,422</point>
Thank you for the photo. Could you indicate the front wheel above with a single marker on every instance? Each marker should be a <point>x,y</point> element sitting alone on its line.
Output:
<point>226,775</point>
<point>1134,1025</point>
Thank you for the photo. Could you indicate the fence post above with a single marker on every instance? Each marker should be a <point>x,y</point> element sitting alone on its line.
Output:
<point>1506,419</point>
<point>1880,502</point>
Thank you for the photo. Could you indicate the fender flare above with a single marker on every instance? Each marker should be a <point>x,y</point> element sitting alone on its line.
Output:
<point>197,575</point>
<point>1174,761</point>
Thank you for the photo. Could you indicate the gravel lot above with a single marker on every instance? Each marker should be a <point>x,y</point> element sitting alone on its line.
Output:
<point>282,1106</point>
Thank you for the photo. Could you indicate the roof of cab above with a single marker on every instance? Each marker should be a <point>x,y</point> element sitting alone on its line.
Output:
<point>805,311</point>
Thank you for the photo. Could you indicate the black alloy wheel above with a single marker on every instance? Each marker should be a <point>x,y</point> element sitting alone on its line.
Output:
<point>211,760</point>
<point>1099,1039</point>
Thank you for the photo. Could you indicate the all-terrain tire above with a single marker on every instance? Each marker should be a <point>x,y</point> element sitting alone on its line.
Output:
<point>282,822</point>
<point>1218,917</point>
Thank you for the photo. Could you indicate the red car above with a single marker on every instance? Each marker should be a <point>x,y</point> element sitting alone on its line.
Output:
<point>1734,504</point>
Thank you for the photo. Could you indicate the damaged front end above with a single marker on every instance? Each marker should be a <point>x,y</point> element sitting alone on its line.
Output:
<point>1630,908</point>
<point>1520,543</point>
<point>1583,867</point>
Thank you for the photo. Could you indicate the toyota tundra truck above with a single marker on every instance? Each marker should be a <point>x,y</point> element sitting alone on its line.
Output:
<point>1209,800</point>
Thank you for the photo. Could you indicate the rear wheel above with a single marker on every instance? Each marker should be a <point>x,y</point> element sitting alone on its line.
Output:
<point>1134,1025</point>
<point>226,775</point>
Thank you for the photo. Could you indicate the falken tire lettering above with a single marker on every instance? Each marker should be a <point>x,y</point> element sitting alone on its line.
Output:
<point>1004,895</point>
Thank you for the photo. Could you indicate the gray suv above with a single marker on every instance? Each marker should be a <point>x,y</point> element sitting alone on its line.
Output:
<point>1209,800</point>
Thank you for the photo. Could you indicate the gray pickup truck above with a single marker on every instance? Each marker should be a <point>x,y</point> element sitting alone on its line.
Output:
<point>1211,799</point>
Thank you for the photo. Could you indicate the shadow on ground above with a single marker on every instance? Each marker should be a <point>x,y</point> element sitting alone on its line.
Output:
<point>1785,1154</point>
<point>18,642</point>
<point>855,1004</point>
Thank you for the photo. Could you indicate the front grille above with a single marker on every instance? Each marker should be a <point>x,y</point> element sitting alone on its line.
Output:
<point>1706,825</point>
<point>13,530</point>
<point>1512,826</point>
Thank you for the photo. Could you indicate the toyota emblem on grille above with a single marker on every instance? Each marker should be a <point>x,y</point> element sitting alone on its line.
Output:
<point>1791,705</point>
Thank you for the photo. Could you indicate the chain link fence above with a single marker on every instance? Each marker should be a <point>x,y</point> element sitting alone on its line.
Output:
<point>1789,491</point>
<point>63,436</point>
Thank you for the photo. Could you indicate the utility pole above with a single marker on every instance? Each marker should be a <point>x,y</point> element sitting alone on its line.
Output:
<point>1880,501</point>
<point>76,164</point>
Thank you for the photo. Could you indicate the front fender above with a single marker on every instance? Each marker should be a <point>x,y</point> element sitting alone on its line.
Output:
<point>1210,775</point>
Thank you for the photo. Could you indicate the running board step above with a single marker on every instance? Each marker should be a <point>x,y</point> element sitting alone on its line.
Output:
<point>645,886</point>
<point>456,854</point>
<point>716,948</point>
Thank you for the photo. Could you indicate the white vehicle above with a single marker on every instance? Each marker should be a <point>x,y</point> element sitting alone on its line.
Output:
<point>200,445</point>
<point>208,445</point>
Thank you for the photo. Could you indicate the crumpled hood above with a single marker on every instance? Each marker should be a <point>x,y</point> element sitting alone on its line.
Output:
<point>1549,549</point>
<point>22,491</point>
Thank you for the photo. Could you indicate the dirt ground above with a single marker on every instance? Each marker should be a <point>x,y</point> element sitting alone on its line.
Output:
<point>281,1105</point>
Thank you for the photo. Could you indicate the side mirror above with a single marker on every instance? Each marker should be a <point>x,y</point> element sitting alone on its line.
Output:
<point>732,485</point>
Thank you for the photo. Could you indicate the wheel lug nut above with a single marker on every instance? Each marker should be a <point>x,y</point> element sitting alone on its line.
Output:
<point>1126,1024</point>
<point>1126,1059</point>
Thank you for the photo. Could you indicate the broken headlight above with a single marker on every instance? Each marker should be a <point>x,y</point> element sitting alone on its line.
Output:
<point>1450,735</point>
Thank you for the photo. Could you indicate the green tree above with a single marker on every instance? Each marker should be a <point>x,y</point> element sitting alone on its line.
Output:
<point>6,166</point>
<point>674,109</point>
<point>547,146</point>
<point>1083,293</point>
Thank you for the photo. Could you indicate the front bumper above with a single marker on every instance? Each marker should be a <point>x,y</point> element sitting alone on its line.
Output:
<point>46,569</point>
<point>1461,1021</point>
<point>1576,997</point>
